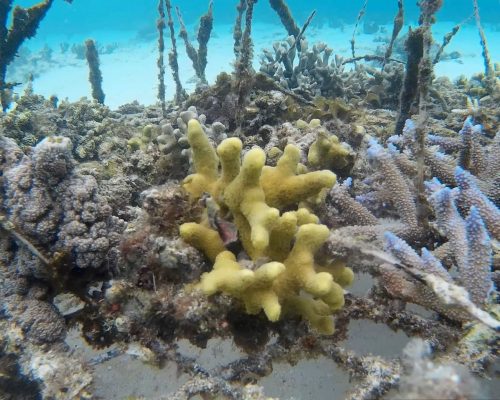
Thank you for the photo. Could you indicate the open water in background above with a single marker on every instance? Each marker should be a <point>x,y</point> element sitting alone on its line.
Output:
<point>90,15</point>
<point>83,18</point>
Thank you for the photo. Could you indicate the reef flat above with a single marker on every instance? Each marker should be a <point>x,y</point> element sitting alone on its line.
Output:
<point>273,216</point>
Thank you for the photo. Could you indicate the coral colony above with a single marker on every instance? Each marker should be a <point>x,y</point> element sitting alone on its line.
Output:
<point>247,209</point>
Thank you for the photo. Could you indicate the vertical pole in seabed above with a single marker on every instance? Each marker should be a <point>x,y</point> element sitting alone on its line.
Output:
<point>95,76</point>
<point>161,48</point>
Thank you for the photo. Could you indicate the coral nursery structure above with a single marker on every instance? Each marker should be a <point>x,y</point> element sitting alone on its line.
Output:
<point>281,213</point>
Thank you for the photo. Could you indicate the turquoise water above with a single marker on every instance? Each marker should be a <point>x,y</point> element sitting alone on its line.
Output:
<point>126,33</point>
<point>88,15</point>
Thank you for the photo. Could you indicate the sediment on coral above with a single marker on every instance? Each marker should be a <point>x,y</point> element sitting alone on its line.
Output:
<point>160,26</point>
<point>286,17</point>
<point>180,93</point>
<point>243,69</point>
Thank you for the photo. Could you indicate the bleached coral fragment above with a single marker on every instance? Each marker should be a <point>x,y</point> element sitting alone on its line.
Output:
<point>425,378</point>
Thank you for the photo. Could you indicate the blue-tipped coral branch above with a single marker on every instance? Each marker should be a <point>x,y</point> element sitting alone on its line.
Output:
<point>470,195</point>
<point>423,280</point>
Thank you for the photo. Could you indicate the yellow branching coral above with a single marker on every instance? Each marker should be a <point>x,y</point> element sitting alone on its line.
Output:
<point>205,162</point>
<point>246,200</point>
<point>288,279</point>
<point>203,238</point>
<point>328,152</point>
<point>283,186</point>
<point>254,288</point>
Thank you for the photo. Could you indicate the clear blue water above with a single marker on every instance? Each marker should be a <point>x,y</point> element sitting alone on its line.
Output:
<point>126,32</point>
<point>89,15</point>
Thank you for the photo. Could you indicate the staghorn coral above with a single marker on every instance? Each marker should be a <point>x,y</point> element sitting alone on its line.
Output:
<point>313,75</point>
<point>470,151</point>
<point>250,192</point>
<point>311,71</point>
<point>471,196</point>
<point>394,189</point>
<point>471,248</point>
<point>351,211</point>
<point>382,200</point>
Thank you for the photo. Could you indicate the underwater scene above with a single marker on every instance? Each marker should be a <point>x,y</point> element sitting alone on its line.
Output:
<point>249,199</point>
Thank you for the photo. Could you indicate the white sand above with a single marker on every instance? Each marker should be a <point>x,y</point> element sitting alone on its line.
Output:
<point>130,72</point>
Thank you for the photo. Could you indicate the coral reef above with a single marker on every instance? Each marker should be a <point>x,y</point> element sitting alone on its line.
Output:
<point>147,298</point>
<point>170,233</point>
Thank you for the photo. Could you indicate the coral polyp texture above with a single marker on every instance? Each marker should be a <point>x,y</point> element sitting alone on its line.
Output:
<point>277,272</point>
